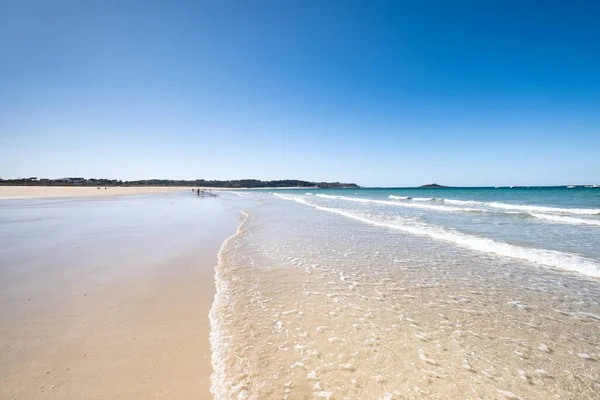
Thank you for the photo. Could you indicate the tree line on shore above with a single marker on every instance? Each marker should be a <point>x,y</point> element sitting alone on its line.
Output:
<point>240,183</point>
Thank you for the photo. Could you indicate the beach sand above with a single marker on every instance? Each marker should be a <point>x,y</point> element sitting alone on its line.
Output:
<point>108,298</point>
<point>26,192</point>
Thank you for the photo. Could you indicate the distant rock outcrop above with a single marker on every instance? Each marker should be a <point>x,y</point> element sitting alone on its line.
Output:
<point>432,185</point>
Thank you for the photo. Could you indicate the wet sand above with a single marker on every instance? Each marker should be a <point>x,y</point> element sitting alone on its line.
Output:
<point>27,192</point>
<point>108,298</point>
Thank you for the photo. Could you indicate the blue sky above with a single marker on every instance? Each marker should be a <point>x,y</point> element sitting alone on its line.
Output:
<point>379,93</point>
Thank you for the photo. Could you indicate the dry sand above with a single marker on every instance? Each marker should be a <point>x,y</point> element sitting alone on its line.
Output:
<point>109,298</point>
<point>25,192</point>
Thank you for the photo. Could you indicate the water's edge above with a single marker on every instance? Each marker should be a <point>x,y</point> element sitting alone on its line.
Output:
<point>217,360</point>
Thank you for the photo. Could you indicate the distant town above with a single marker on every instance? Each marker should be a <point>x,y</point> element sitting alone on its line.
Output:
<point>241,183</point>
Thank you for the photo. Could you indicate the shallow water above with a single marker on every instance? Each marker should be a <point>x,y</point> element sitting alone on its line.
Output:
<point>331,298</point>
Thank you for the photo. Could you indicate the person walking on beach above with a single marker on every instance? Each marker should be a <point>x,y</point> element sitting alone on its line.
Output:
<point>198,192</point>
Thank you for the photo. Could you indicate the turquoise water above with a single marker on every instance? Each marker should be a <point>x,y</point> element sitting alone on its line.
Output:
<point>536,221</point>
<point>476,293</point>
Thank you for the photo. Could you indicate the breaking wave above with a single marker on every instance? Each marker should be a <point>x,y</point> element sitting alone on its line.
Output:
<point>506,206</point>
<point>549,258</point>
<point>439,207</point>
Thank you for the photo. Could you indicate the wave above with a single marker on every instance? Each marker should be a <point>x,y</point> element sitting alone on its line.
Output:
<point>548,258</point>
<point>513,207</point>
<point>463,202</point>
<point>402,204</point>
<point>545,217</point>
<point>580,211</point>
<point>448,201</point>
<point>566,220</point>
<point>219,378</point>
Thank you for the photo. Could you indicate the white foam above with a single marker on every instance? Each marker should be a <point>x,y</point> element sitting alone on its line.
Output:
<point>220,385</point>
<point>566,220</point>
<point>423,198</point>
<point>511,209</point>
<point>520,207</point>
<point>391,196</point>
<point>463,202</point>
<point>402,204</point>
<point>550,258</point>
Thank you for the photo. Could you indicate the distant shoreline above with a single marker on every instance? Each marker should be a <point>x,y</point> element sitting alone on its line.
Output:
<point>213,184</point>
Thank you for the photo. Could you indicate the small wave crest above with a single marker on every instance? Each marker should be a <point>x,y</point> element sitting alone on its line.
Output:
<point>541,212</point>
<point>513,207</point>
<point>463,202</point>
<point>548,258</point>
<point>219,378</point>
<point>435,207</point>
<point>391,196</point>
<point>545,209</point>
<point>566,220</point>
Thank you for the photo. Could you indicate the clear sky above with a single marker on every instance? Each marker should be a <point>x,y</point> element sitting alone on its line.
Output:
<point>381,93</point>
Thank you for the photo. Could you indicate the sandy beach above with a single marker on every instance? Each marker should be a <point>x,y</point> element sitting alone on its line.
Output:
<point>27,192</point>
<point>108,298</point>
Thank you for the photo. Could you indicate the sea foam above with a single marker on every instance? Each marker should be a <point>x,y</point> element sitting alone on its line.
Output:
<point>549,258</point>
<point>566,220</point>
<point>402,204</point>
<point>220,382</point>
<point>545,209</point>
<point>506,206</point>
<point>391,196</point>
<point>543,212</point>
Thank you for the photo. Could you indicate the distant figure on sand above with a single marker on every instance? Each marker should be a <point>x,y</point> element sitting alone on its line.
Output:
<point>198,192</point>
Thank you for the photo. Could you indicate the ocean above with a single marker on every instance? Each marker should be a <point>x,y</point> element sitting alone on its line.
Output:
<point>447,293</point>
